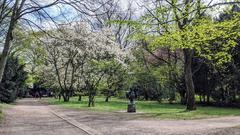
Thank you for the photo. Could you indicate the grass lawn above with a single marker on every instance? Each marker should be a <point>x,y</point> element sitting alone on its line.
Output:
<point>1,114</point>
<point>148,108</point>
<point>3,106</point>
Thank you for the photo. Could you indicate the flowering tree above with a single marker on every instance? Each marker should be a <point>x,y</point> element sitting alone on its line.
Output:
<point>77,53</point>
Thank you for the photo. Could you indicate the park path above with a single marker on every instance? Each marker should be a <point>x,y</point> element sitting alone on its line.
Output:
<point>30,117</point>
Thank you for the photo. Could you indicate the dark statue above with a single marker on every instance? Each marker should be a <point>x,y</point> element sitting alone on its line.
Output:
<point>131,95</point>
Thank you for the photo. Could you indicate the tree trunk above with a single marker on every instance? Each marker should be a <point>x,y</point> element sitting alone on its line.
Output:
<point>93,102</point>
<point>90,101</point>
<point>188,54</point>
<point>55,96</point>
<point>208,97</point>
<point>146,96</point>
<point>200,98</point>
<point>59,96</point>
<point>65,99</point>
<point>183,97</point>
<point>8,39</point>
<point>223,95</point>
<point>106,100</point>
<point>65,96</point>
<point>204,99</point>
<point>80,98</point>
<point>235,95</point>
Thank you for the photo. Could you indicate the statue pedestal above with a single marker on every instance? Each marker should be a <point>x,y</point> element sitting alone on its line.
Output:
<point>131,108</point>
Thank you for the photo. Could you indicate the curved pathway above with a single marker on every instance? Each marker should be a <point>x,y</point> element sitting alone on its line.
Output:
<point>30,117</point>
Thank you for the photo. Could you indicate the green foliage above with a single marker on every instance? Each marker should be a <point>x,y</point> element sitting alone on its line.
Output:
<point>147,86</point>
<point>114,79</point>
<point>154,80</point>
<point>29,50</point>
<point>220,84</point>
<point>13,83</point>
<point>210,40</point>
<point>2,107</point>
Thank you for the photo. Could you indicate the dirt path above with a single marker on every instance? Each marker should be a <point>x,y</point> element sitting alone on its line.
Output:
<point>29,117</point>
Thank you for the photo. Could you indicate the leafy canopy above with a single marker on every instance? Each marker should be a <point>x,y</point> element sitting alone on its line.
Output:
<point>210,39</point>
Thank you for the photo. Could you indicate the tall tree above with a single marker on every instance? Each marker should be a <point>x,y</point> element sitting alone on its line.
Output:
<point>183,17</point>
<point>37,15</point>
<point>11,13</point>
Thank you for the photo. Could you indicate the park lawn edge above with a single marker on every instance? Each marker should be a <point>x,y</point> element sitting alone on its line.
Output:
<point>179,113</point>
<point>3,106</point>
<point>1,112</point>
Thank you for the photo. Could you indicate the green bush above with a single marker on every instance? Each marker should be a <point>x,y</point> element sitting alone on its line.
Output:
<point>13,83</point>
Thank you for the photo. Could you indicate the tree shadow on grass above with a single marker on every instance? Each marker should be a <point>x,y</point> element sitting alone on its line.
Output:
<point>180,115</point>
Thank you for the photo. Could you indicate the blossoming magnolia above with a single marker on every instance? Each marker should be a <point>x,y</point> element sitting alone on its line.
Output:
<point>73,50</point>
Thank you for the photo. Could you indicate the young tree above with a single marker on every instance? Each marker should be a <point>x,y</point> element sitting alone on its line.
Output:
<point>114,79</point>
